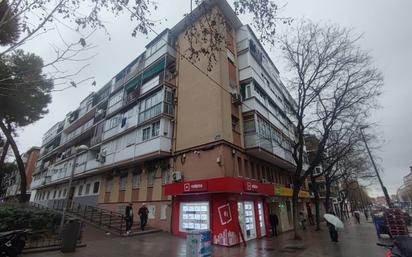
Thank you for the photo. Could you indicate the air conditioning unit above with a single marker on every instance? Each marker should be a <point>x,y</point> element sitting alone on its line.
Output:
<point>177,176</point>
<point>236,98</point>
<point>101,157</point>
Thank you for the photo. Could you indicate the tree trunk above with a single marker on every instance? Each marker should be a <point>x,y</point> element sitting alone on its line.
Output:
<point>295,195</point>
<point>4,154</point>
<point>19,161</point>
<point>316,194</point>
<point>327,198</point>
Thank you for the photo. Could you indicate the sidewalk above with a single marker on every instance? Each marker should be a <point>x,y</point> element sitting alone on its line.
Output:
<point>355,241</point>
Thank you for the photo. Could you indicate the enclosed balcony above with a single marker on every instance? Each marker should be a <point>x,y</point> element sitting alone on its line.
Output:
<point>266,142</point>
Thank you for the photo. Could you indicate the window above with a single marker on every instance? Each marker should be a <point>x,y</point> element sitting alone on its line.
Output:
<point>235,124</point>
<point>87,191</point>
<point>150,178</point>
<point>109,185</point>
<point>155,129</point>
<point>249,125</point>
<point>194,216</point>
<point>54,194</point>
<point>152,211</point>
<point>96,186</point>
<point>122,183</point>
<point>165,177</point>
<point>64,193</point>
<point>151,106</point>
<point>80,191</point>
<point>136,180</point>
<point>163,211</point>
<point>48,195</point>
<point>60,193</point>
<point>146,134</point>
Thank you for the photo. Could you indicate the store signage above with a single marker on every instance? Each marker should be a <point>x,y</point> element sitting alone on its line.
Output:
<point>286,191</point>
<point>251,187</point>
<point>225,214</point>
<point>194,187</point>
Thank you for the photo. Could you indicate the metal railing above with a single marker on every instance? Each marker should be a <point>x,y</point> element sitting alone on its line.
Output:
<point>112,221</point>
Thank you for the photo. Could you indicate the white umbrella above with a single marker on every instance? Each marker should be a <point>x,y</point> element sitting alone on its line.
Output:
<point>332,219</point>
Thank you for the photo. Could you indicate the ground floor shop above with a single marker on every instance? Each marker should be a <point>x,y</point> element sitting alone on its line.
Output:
<point>234,209</point>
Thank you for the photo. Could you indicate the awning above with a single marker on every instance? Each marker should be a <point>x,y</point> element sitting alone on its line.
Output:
<point>154,69</point>
<point>229,185</point>
<point>133,83</point>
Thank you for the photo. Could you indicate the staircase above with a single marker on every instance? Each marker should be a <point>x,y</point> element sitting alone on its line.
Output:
<point>106,220</point>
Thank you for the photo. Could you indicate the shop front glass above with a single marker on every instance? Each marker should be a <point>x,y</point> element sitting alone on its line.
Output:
<point>261,219</point>
<point>247,219</point>
<point>194,216</point>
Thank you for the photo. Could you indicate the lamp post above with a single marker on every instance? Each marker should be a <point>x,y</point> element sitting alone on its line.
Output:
<point>78,150</point>
<point>385,191</point>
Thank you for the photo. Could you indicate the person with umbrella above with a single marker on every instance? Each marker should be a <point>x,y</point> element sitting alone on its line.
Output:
<point>334,223</point>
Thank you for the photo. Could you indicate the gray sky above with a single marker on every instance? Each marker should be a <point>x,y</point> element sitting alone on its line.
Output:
<point>387,29</point>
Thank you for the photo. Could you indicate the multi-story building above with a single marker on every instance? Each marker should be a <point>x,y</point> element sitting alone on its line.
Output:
<point>12,181</point>
<point>405,191</point>
<point>204,149</point>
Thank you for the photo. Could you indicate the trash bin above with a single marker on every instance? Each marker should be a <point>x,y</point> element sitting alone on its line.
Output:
<point>70,234</point>
<point>199,244</point>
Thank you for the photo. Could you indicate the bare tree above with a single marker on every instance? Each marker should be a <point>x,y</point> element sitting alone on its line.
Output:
<point>332,79</point>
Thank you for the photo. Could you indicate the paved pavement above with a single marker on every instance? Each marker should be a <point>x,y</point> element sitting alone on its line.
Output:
<point>355,241</point>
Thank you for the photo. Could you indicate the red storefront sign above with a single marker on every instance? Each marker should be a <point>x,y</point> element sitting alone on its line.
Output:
<point>200,186</point>
<point>218,185</point>
<point>250,186</point>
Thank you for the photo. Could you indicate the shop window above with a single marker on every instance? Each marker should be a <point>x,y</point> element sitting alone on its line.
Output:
<point>87,190</point>
<point>109,185</point>
<point>122,183</point>
<point>152,211</point>
<point>194,216</point>
<point>96,186</point>
<point>163,211</point>
<point>136,180</point>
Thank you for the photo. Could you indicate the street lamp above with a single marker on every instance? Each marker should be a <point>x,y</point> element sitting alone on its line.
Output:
<point>385,192</point>
<point>78,150</point>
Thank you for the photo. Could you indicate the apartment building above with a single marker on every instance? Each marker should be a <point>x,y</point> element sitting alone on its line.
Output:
<point>12,181</point>
<point>204,149</point>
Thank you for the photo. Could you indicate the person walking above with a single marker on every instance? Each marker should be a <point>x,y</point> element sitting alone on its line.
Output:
<point>357,216</point>
<point>302,220</point>
<point>333,233</point>
<point>129,218</point>
<point>365,211</point>
<point>143,213</point>
<point>274,221</point>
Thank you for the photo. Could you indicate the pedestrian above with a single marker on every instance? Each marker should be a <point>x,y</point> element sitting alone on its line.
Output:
<point>357,216</point>
<point>129,218</point>
<point>310,218</point>
<point>302,220</point>
<point>365,211</point>
<point>143,213</point>
<point>332,232</point>
<point>274,221</point>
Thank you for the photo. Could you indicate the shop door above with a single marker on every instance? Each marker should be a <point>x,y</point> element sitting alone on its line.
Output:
<point>247,219</point>
<point>261,219</point>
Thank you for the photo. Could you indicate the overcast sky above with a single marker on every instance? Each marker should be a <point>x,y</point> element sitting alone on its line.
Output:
<point>387,28</point>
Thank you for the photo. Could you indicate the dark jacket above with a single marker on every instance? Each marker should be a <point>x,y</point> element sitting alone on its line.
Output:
<point>143,212</point>
<point>129,212</point>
